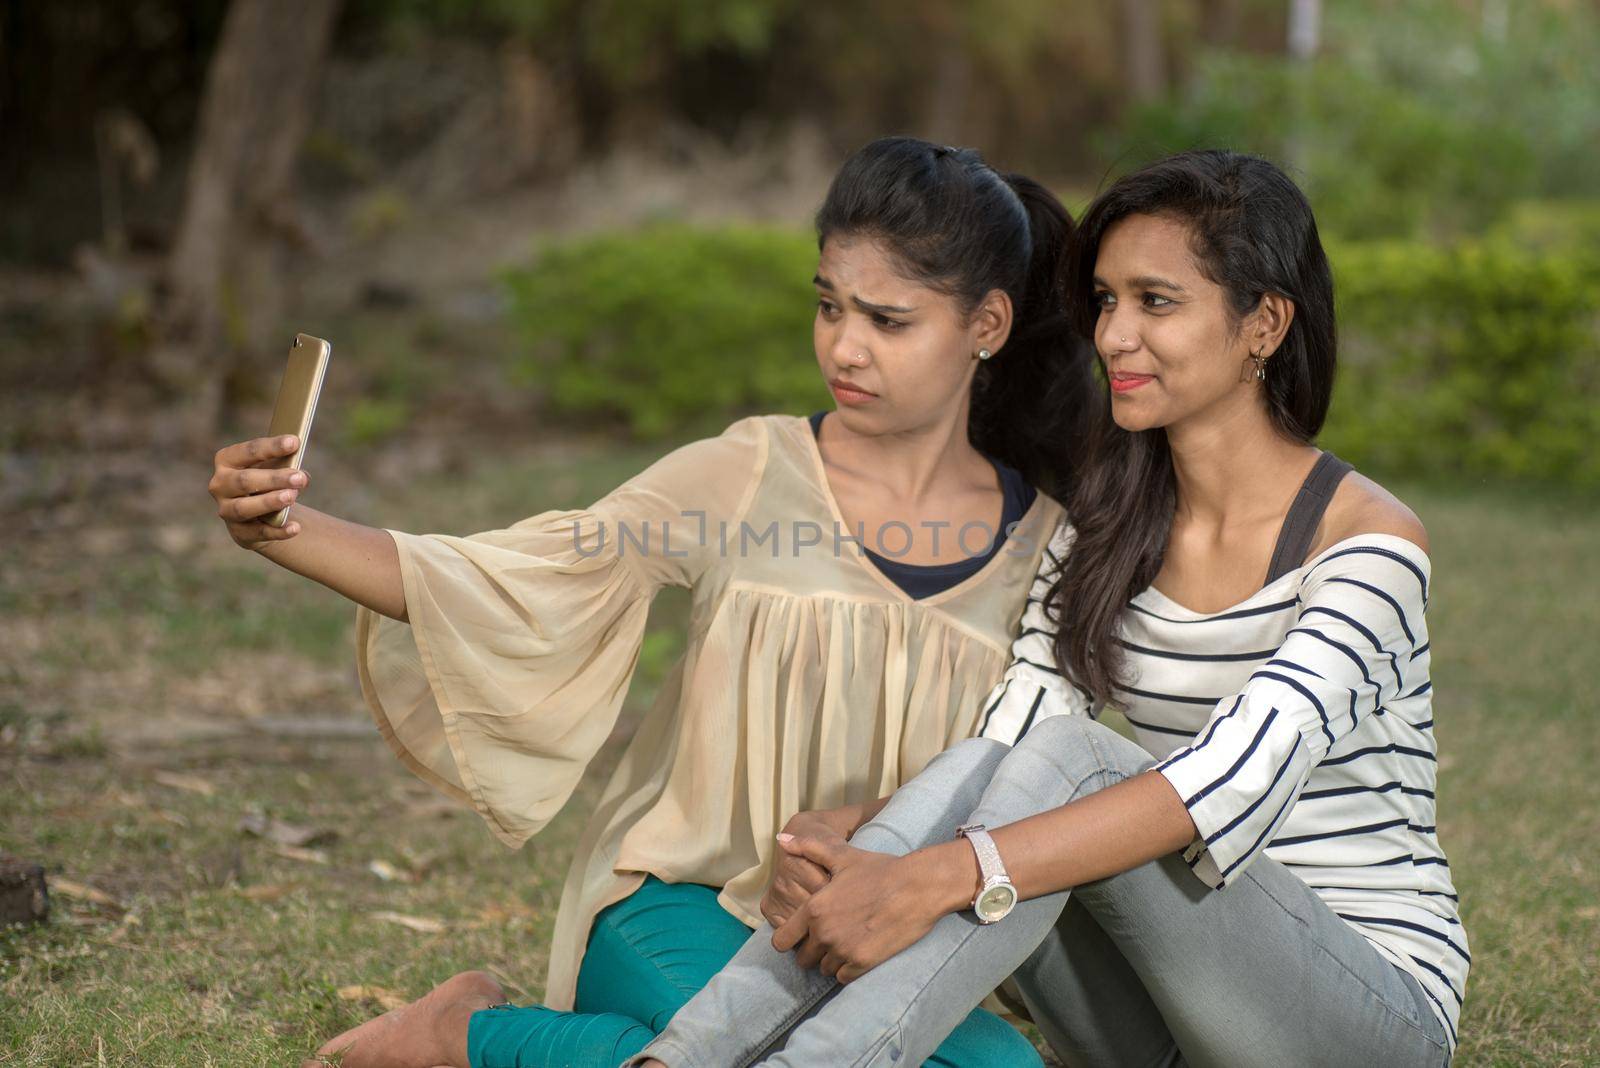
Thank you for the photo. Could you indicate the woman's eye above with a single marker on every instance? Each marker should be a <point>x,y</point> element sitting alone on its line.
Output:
<point>1104,300</point>
<point>1156,300</point>
<point>826,307</point>
<point>885,323</point>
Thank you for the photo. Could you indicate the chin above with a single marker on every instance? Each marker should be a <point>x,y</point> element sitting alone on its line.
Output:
<point>1133,420</point>
<point>858,421</point>
<point>874,422</point>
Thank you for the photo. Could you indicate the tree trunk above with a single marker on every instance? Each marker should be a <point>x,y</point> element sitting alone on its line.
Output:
<point>1305,29</point>
<point>1304,38</point>
<point>225,276</point>
<point>1144,55</point>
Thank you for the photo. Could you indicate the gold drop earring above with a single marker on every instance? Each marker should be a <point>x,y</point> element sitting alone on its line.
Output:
<point>1261,365</point>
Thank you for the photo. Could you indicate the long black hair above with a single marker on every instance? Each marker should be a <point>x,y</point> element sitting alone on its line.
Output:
<point>1251,232</point>
<point>955,224</point>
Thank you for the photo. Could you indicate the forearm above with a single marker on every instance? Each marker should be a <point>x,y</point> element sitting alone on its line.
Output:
<point>1102,834</point>
<point>359,562</point>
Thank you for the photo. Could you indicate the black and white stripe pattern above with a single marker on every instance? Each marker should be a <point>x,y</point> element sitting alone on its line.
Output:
<point>1298,723</point>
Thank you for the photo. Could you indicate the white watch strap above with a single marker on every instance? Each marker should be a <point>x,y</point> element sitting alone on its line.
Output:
<point>989,864</point>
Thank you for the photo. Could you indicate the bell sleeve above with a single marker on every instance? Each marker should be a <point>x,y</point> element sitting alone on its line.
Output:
<point>519,644</point>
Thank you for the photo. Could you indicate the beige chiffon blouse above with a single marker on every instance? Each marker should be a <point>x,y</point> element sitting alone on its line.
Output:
<point>810,680</point>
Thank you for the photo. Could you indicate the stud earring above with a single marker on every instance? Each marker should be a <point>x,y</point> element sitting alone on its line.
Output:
<point>984,354</point>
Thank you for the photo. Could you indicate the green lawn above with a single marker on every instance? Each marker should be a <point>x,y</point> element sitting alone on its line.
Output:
<point>150,678</point>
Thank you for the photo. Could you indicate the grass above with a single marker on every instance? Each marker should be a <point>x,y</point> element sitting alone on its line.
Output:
<point>135,679</point>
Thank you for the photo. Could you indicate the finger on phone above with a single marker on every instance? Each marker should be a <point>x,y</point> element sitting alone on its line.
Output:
<point>255,451</point>
<point>243,509</point>
<point>235,455</point>
<point>252,480</point>
<point>268,450</point>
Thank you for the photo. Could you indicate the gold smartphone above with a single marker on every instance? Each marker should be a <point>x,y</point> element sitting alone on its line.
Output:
<point>297,402</point>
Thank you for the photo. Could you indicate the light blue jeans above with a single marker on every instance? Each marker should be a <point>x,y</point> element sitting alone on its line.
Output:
<point>1149,967</point>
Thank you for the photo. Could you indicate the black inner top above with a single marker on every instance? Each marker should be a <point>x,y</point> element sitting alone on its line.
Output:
<point>925,580</point>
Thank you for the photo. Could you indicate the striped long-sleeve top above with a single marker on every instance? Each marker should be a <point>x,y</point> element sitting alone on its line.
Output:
<point>1297,723</point>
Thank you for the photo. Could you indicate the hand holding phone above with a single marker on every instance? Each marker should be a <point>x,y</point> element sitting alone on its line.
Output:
<point>297,403</point>
<point>255,482</point>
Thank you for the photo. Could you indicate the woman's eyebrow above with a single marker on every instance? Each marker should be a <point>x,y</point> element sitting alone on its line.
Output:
<point>1150,281</point>
<point>865,305</point>
<point>880,309</point>
<point>1144,281</point>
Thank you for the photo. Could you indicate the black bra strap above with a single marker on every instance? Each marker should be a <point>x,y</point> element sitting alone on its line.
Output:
<point>1300,525</point>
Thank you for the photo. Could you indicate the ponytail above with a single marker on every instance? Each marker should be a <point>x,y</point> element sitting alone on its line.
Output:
<point>1033,408</point>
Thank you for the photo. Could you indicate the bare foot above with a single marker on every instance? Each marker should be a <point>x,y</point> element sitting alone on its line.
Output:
<point>428,1033</point>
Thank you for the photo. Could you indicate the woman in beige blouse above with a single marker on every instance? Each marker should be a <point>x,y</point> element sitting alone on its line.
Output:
<point>852,602</point>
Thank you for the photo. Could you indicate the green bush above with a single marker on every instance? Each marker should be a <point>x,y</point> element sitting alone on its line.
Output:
<point>671,329</point>
<point>1476,358</point>
<point>1551,226</point>
<point>1481,358</point>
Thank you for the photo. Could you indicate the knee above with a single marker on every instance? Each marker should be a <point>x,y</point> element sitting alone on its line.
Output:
<point>1063,757</point>
<point>972,759</point>
<point>963,770</point>
<point>1081,747</point>
<point>928,806</point>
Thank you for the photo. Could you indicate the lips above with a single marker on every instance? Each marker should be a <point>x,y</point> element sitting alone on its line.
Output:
<point>848,393</point>
<point>1127,381</point>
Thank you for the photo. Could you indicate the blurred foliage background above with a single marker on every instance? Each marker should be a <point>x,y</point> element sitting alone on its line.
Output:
<point>576,212</point>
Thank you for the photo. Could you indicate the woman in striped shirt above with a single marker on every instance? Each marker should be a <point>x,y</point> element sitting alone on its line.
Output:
<point>1259,881</point>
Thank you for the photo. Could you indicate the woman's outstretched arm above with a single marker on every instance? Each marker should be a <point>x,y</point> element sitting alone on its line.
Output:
<point>359,562</point>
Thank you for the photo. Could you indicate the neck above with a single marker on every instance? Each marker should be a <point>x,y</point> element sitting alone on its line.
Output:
<point>1232,469</point>
<point>911,463</point>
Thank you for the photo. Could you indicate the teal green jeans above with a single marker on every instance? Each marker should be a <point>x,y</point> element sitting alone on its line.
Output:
<point>648,955</point>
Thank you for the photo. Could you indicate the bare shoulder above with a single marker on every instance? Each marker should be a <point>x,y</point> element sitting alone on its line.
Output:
<point>1361,506</point>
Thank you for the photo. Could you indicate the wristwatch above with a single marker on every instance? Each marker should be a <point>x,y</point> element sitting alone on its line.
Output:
<point>996,897</point>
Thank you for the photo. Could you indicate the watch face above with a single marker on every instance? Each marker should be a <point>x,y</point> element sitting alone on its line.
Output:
<point>995,902</point>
